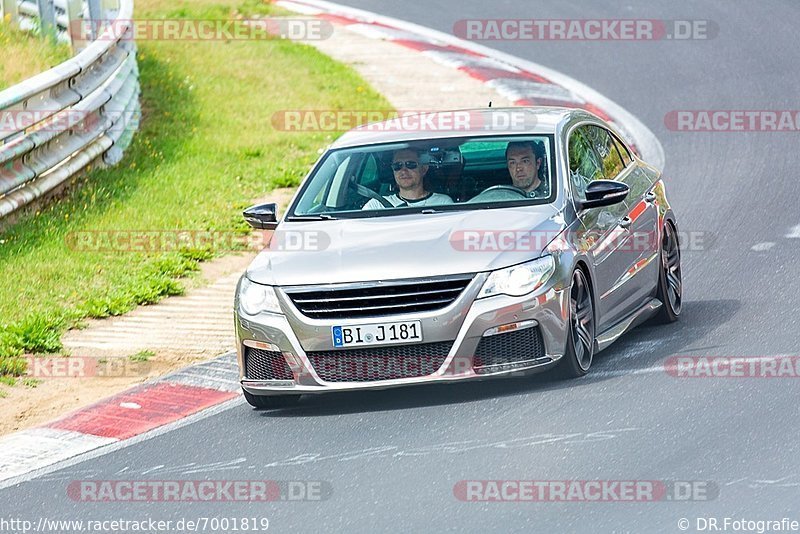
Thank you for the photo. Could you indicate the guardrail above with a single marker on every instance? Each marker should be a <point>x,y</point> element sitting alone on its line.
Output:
<point>83,111</point>
<point>60,18</point>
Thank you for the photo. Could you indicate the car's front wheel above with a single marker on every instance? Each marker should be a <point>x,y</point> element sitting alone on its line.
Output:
<point>264,402</point>
<point>670,282</point>
<point>581,328</point>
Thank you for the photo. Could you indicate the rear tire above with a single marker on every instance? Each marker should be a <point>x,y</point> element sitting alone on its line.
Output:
<point>670,281</point>
<point>581,329</point>
<point>265,402</point>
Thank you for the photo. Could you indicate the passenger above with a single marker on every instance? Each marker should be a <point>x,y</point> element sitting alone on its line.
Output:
<point>408,175</point>
<point>527,167</point>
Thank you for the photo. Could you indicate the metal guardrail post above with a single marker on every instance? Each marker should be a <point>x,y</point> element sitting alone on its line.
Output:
<point>75,25</point>
<point>9,10</point>
<point>96,15</point>
<point>47,18</point>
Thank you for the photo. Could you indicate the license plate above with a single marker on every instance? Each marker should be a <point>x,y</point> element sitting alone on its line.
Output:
<point>377,334</point>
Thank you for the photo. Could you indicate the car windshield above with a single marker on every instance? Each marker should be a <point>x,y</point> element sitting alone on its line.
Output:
<point>438,175</point>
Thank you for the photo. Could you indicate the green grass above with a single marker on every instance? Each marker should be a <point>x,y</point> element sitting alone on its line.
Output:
<point>8,380</point>
<point>12,365</point>
<point>206,148</point>
<point>31,382</point>
<point>25,54</point>
<point>142,356</point>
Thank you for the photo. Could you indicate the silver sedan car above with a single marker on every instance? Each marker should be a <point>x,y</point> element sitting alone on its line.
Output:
<point>456,246</point>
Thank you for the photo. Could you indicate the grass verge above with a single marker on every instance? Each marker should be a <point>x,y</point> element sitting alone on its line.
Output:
<point>142,356</point>
<point>205,149</point>
<point>26,54</point>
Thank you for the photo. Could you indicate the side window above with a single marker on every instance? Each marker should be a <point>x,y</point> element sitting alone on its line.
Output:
<point>585,165</point>
<point>605,146</point>
<point>638,180</point>
<point>623,151</point>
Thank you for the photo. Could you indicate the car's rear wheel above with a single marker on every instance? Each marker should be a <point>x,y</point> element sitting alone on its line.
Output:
<point>580,333</point>
<point>264,402</point>
<point>670,282</point>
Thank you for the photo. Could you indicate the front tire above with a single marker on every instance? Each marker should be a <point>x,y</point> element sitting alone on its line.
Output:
<point>264,402</point>
<point>581,329</point>
<point>670,281</point>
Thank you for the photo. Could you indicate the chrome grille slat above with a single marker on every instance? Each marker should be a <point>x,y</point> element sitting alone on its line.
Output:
<point>399,295</point>
<point>384,307</point>
<point>375,299</point>
<point>381,284</point>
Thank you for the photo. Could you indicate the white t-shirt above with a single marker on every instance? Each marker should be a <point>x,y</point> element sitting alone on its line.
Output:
<point>433,199</point>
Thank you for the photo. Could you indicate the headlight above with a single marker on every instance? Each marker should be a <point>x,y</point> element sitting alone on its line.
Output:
<point>519,280</point>
<point>255,298</point>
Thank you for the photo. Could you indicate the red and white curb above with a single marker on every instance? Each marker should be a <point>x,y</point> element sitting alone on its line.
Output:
<point>523,82</point>
<point>121,417</point>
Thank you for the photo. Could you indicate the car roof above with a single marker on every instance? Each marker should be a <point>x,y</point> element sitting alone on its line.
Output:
<point>471,123</point>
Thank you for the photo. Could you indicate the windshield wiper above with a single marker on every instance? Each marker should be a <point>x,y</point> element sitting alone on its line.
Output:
<point>319,217</point>
<point>448,208</point>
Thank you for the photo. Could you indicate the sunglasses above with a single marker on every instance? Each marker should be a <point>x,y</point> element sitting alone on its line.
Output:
<point>411,165</point>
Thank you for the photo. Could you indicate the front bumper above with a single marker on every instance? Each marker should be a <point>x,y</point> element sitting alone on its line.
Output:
<point>464,323</point>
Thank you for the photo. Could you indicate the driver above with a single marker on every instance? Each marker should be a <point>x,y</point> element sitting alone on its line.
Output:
<point>408,175</point>
<point>525,161</point>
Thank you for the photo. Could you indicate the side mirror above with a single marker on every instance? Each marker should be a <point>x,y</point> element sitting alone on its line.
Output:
<point>601,193</point>
<point>262,216</point>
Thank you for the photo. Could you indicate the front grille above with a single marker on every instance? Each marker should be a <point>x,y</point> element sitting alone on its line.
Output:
<point>508,349</point>
<point>380,363</point>
<point>265,365</point>
<point>373,299</point>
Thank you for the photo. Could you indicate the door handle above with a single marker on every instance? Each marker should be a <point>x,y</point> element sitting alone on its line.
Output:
<point>625,222</point>
<point>650,197</point>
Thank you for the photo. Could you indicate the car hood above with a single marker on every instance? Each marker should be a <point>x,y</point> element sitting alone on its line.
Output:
<point>407,246</point>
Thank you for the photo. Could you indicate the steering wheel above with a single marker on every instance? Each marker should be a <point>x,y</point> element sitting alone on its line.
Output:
<point>369,193</point>
<point>511,188</point>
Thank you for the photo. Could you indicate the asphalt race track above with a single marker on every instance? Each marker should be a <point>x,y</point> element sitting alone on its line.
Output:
<point>394,458</point>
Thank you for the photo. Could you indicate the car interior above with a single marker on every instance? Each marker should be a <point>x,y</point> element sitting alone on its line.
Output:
<point>462,169</point>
